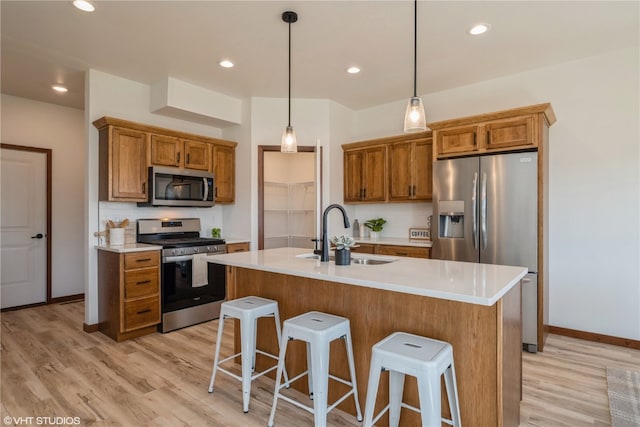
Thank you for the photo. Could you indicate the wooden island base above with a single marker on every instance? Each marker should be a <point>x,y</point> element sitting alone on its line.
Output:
<point>486,340</point>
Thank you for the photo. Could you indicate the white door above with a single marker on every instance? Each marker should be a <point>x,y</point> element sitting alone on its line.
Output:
<point>23,221</point>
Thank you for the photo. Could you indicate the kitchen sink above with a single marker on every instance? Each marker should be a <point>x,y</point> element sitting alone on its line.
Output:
<point>370,261</point>
<point>354,260</point>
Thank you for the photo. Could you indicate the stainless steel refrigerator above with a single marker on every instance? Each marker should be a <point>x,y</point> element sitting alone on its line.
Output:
<point>485,210</point>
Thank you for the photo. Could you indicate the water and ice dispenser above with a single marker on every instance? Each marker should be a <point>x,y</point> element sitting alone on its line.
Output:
<point>451,219</point>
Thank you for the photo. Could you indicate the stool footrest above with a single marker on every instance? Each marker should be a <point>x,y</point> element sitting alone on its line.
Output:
<point>296,378</point>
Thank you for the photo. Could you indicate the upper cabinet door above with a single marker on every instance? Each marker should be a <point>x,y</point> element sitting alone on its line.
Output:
<point>224,172</point>
<point>375,174</point>
<point>401,184</point>
<point>128,178</point>
<point>409,170</point>
<point>422,169</point>
<point>353,173</point>
<point>166,151</point>
<point>197,155</point>
<point>457,140</point>
<point>509,133</point>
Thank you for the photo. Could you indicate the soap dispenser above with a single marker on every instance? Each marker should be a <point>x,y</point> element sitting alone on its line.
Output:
<point>356,229</point>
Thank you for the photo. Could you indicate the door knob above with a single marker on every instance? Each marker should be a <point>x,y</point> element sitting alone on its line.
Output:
<point>38,236</point>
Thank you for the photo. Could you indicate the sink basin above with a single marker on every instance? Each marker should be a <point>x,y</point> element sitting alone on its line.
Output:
<point>371,261</point>
<point>354,260</point>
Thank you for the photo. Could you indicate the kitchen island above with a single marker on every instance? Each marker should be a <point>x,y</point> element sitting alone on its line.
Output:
<point>475,307</point>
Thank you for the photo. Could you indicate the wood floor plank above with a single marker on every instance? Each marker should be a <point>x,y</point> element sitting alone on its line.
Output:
<point>51,367</point>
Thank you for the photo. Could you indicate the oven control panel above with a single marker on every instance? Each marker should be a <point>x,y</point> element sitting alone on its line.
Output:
<point>192,250</point>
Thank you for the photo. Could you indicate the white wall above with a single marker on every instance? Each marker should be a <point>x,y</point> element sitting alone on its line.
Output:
<point>594,181</point>
<point>237,217</point>
<point>108,95</point>
<point>38,124</point>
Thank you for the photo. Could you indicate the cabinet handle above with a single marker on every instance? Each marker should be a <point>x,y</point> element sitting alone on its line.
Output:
<point>488,137</point>
<point>474,138</point>
<point>178,158</point>
<point>143,311</point>
<point>402,254</point>
<point>216,193</point>
<point>143,260</point>
<point>144,187</point>
<point>365,193</point>
<point>414,190</point>
<point>143,282</point>
<point>410,192</point>
<point>188,158</point>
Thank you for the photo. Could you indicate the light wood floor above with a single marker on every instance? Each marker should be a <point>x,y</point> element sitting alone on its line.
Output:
<point>50,367</point>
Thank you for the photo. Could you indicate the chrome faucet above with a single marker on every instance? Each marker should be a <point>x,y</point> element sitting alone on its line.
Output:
<point>325,244</point>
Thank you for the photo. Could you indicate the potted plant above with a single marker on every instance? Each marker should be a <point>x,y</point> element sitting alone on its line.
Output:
<point>343,249</point>
<point>375,225</point>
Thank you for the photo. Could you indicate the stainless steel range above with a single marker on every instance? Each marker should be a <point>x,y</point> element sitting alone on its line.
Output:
<point>192,289</point>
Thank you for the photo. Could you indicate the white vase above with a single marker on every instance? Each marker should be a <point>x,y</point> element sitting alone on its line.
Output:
<point>374,235</point>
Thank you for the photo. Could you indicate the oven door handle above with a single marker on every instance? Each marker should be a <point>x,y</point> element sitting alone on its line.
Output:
<point>167,259</point>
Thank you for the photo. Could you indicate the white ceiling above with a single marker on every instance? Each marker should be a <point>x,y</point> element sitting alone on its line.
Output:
<point>47,42</point>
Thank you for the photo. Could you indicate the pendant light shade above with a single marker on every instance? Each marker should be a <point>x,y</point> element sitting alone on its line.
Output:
<point>289,142</point>
<point>414,117</point>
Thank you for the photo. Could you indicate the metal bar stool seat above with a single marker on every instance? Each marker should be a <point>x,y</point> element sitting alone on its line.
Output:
<point>427,360</point>
<point>318,330</point>
<point>247,310</point>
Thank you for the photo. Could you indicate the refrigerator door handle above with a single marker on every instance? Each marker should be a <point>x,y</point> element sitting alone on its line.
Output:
<point>474,209</point>
<point>483,210</point>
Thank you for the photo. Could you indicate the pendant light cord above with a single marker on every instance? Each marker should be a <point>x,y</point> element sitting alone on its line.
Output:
<point>415,48</point>
<point>289,123</point>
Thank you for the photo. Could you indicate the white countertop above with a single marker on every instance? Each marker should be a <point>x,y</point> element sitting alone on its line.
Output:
<point>396,241</point>
<point>129,247</point>
<point>481,284</point>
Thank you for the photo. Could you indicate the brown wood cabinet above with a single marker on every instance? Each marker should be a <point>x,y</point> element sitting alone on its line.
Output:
<point>394,250</point>
<point>180,153</point>
<point>224,171</point>
<point>409,170</point>
<point>515,129</point>
<point>237,247</point>
<point>127,149</point>
<point>129,293</point>
<point>123,164</point>
<point>364,174</point>
<point>392,169</point>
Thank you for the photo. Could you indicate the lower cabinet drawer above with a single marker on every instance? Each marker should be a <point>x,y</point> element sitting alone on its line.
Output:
<point>138,283</point>
<point>410,251</point>
<point>141,313</point>
<point>141,259</point>
<point>364,248</point>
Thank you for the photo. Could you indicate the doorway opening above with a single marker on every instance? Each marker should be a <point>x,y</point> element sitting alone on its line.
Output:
<point>289,196</point>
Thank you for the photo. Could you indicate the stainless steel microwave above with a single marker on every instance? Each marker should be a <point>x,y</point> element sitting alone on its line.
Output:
<point>180,187</point>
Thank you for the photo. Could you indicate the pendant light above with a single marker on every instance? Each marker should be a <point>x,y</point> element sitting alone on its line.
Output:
<point>414,117</point>
<point>289,143</point>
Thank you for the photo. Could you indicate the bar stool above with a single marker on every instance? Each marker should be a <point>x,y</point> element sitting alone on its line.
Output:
<point>424,358</point>
<point>247,310</point>
<point>318,330</point>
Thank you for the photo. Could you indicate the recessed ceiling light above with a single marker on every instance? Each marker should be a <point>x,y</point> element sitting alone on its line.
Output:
<point>225,63</point>
<point>478,29</point>
<point>60,88</point>
<point>353,70</point>
<point>84,5</point>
